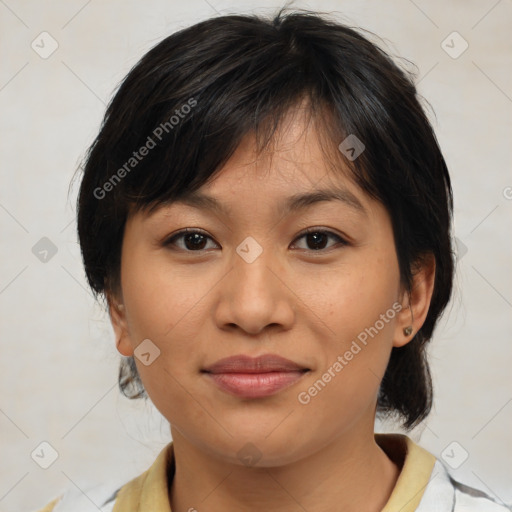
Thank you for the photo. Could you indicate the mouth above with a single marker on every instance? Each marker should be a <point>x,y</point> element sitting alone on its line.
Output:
<point>254,377</point>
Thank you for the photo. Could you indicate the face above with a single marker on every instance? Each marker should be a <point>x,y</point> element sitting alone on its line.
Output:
<point>246,280</point>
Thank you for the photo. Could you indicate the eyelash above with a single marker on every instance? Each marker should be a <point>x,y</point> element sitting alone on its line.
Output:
<point>188,231</point>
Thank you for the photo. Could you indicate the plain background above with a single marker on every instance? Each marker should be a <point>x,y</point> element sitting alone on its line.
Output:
<point>58,375</point>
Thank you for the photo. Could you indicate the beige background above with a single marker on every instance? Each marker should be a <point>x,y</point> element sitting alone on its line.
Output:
<point>58,363</point>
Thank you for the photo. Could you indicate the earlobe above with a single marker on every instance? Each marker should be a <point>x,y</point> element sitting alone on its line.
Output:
<point>117,315</point>
<point>416,303</point>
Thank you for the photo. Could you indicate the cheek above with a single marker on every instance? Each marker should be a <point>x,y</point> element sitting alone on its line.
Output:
<point>358,309</point>
<point>351,297</point>
<point>167,309</point>
<point>160,301</point>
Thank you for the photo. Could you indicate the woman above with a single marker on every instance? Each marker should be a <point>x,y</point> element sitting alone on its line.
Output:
<point>268,214</point>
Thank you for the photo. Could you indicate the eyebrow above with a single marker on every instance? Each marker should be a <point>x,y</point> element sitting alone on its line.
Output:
<point>293,203</point>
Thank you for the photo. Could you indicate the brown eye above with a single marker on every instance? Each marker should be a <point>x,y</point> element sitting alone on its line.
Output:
<point>317,240</point>
<point>190,240</point>
<point>193,240</point>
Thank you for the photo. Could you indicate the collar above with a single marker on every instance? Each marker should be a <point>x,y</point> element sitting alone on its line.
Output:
<point>417,465</point>
<point>149,491</point>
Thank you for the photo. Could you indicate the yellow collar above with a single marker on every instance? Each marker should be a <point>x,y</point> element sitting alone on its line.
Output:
<point>414,475</point>
<point>149,491</point>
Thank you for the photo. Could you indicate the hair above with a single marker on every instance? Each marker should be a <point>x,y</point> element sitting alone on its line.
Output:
<point>192,98</point>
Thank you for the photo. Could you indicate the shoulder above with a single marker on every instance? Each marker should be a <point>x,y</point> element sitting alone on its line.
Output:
<point>470,499</point>
<point>148,488</point>
<point>98,498</point>
<point>444,493</point>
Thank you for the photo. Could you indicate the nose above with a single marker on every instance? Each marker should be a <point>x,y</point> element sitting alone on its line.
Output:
<point>254,295</point>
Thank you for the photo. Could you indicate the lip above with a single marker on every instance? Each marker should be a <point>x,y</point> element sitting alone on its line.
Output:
<point>254,377</point>
<point>247,364</point>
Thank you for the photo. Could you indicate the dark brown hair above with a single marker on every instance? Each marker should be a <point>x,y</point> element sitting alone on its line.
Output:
<point>194,96</point>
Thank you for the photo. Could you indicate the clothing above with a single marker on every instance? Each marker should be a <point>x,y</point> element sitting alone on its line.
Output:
<point>424,485</point>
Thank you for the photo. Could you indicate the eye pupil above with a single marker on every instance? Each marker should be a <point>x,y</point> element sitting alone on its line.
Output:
<point>316,240</point>
<point>197,241</point>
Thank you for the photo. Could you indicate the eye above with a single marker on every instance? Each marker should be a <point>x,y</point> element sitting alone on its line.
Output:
<point>193,240</point>
<point>316,238</point>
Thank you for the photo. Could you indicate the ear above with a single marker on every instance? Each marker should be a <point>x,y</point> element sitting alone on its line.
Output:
<point>416,303</point>
<point>117,313</point>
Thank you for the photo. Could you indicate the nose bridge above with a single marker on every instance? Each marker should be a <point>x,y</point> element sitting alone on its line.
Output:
<point>252,274</point>
<point>254,297</point>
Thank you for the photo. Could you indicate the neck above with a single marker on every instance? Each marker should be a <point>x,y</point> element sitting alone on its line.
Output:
<point>352,473</point>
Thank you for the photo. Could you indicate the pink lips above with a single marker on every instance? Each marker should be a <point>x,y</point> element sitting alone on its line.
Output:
<point>254,377</point>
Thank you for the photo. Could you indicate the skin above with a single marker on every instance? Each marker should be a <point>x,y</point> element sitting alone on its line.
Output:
<point>304,304</point>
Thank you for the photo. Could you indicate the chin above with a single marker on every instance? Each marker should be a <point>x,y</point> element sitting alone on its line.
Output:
<point>261,450</point>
